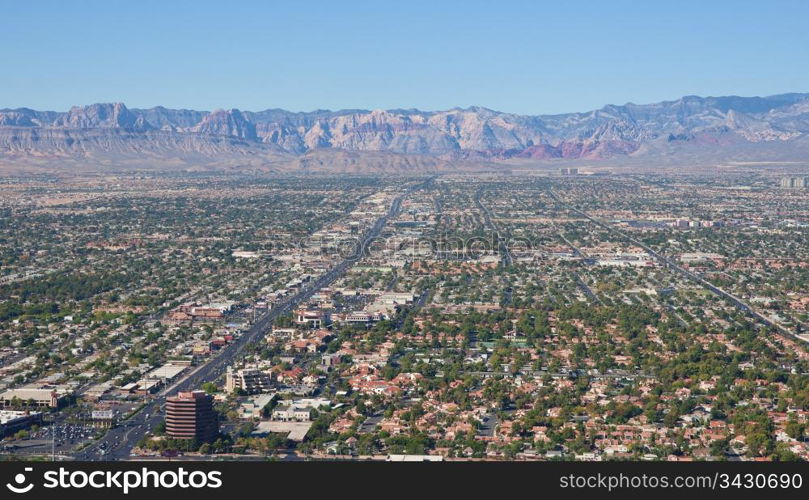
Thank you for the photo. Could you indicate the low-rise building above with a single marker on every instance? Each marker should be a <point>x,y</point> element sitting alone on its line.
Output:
<point>13,421</point>
<point>249,380</point>
<point>42,396</point>
<point>292,414</point>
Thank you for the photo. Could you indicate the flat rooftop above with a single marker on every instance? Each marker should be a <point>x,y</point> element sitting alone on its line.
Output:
<point>295,431</point>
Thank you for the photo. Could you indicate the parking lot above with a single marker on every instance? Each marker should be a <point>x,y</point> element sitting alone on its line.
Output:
<point>59,439</point>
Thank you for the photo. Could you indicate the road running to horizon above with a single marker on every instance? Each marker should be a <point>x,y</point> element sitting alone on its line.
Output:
<point>118,442</point>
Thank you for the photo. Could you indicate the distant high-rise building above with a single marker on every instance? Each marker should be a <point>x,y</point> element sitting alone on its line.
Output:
<point>794,182</point>
<point>569,171</point>
<point>190,415</point>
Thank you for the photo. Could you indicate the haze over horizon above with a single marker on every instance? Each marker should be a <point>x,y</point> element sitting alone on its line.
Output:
<point>405,108</point>
<point>524,57</point>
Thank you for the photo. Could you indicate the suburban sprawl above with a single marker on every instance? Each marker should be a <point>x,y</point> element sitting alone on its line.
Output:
<point>548,314</point>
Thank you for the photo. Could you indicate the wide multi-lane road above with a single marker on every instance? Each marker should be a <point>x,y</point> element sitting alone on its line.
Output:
<point>118,442</point>
<point>502,247</point>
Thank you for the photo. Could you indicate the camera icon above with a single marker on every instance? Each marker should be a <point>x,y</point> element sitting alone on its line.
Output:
<point>20,485</point>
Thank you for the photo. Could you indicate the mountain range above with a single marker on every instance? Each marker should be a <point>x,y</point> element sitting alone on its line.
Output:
<point>111,133</point>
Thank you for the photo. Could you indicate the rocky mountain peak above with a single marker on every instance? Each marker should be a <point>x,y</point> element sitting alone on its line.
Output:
<point>226,122</point>
<point>102,115</point>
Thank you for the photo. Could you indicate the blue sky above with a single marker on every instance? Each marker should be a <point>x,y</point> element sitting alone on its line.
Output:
<point>528,57</point>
